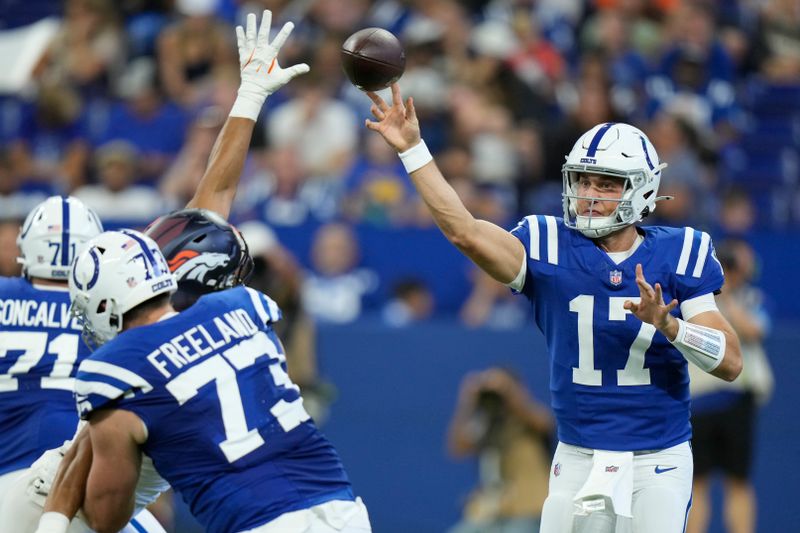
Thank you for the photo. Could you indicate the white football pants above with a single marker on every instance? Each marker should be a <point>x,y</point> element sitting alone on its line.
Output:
<point>662,489</point>
<point>336,516</point>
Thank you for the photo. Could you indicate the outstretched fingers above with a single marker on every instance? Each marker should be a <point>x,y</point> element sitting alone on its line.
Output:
<point>411,113</point>
<point>250,32</point>
<point>377,113</point>
<point>280,39</point>
<point>397,100</point>
<point>378,101</point>
<point>266,23</point>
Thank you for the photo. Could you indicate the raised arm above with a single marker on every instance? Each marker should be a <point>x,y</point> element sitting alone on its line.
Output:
<point>261,76</point>
<point>111,484</point>
<point>489,246</point>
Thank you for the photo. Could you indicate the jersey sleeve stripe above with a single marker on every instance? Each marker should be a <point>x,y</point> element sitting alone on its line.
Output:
<point>272,308</point>
<point>113,371</point>
<point>533,236</point>
<point>705,241</point>
<point>87,388</point>
<point>259,306</point>
<point>552,239</point>
<point>686,251</point>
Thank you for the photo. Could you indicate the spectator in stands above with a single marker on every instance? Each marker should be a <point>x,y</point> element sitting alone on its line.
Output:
<point>321,129</point>
<point>88,51</point>
<point>50,147</point>
<point>696,74</point>
<point>191,49</point>
<point>498,422</point>
<point>737,214</point>
<point>377,189</point>
<point>117,199</point>
<point>411,302</point>
<point>18,197</point>
<point>155,127</point>
<point>779,36</point>
<point>724,414</point>
<point>9,230</point>
<point>335,287</point>
<point>490,304</point>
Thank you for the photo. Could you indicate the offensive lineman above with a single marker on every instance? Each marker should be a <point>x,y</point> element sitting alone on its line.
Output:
<point>205,394</point>
<point>215,192</point>
<point>618,352</point>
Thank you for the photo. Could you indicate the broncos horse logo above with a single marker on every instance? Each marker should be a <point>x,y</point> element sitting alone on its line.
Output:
<point>191,265</point>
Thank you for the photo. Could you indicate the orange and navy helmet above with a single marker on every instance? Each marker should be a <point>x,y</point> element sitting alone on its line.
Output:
<point>203,250</point>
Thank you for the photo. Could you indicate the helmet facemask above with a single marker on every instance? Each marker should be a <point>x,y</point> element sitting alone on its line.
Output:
<point>618,151</point>
<point>623,215</point>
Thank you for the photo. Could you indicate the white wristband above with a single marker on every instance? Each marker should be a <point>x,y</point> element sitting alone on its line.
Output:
<point>248,103</point>
<point>53,523</point>
<point>705,347</point>
<point>416,157</point>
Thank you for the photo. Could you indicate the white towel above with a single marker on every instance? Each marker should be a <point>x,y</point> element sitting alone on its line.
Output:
<point>611,477</point>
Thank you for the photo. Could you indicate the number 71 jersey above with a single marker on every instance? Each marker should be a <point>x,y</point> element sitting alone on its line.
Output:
<point>40,348</point>
<point>226,427</point>
<point>616,382</point>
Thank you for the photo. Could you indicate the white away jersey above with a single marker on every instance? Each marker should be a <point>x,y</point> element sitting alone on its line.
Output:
<point>616,383</point>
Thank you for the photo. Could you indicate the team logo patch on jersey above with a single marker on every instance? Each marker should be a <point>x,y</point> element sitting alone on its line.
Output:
<point>557,469</point>
<point>612,468</point>
<point>615,277</point>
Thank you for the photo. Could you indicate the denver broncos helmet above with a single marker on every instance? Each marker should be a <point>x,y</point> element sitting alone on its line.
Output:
<point>203,250</point>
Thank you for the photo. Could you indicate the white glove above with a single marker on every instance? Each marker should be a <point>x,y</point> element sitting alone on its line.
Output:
<point>43,472</point>
<point>258,58</point>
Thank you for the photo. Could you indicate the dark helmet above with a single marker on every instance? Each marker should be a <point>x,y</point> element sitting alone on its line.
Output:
<point>203,250</point>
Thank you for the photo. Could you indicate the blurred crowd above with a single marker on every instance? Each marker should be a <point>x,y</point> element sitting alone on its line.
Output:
<point>130,95</point>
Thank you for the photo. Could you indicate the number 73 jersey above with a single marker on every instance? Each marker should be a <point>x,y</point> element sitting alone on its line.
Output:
<point>40,348</point>
<point>225,425</point>
<point>616,383</point>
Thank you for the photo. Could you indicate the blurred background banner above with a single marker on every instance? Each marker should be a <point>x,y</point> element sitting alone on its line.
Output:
<point>20,50</point>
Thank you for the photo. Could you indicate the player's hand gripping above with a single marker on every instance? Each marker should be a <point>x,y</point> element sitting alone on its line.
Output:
<point>397,123</point>
<point>651,307</point>
<point>258,59</point>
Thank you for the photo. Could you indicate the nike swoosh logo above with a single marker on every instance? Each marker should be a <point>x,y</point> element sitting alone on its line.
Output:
<point>662,470</point>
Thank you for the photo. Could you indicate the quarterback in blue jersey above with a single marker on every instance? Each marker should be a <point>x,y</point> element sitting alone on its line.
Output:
<point>40,346</point>
<point>623,309</point>
<point>205,394</point>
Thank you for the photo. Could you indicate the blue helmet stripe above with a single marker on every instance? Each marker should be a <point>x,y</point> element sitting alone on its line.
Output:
<point>646,155</point>
<point>148,255</point>
<point>64,232</point>
<point>592,150</point>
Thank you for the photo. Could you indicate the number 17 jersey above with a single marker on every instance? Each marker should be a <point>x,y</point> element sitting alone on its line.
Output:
<point>226,426</point>
<point>616,382</point>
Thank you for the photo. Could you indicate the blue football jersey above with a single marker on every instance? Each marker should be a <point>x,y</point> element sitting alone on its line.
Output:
<point>226,426</point>
<point>616,383</point>
<point>40,349</point>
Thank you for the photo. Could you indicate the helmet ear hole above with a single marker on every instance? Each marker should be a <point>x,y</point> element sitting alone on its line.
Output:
<point>101,307</point>
<point>199,238</point>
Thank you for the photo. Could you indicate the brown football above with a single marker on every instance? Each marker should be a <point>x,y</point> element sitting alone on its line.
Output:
<point>373,59</point>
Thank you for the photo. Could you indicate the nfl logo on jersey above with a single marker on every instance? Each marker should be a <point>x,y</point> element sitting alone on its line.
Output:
<point>615,276</point>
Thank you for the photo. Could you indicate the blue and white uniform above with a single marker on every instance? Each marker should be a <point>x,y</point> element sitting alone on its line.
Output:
<point>616,383</point>
<point>40,349</point>
<point>225,425</point>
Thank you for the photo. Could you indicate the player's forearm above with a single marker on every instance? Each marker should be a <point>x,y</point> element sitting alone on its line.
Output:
<point>69,486</point>
<point>490,247</point>
<point>731,365</point>
<point>217,188</point>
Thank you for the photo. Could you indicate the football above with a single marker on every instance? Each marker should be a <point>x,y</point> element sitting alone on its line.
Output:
<point>373,59</point>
